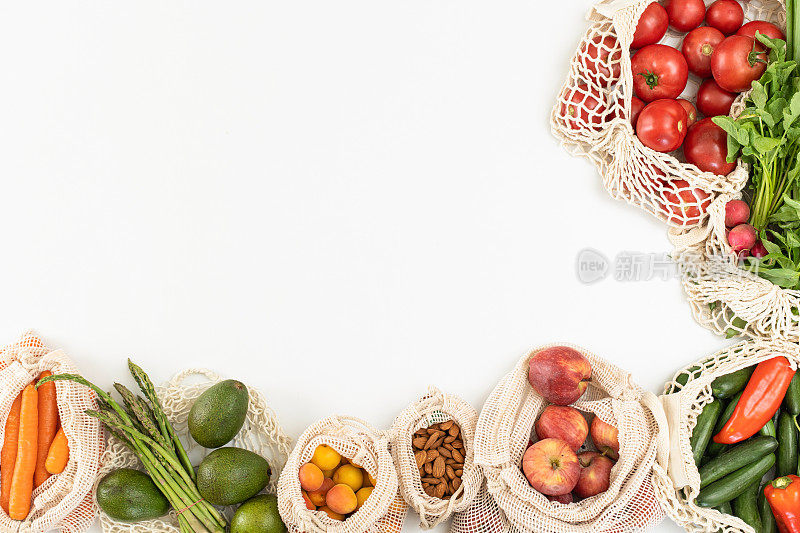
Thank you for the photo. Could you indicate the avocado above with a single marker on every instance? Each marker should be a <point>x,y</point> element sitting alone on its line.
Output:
<point>258,515</point>
<point>129,495</point>
<point>218,414</point>
<point>228,476</point>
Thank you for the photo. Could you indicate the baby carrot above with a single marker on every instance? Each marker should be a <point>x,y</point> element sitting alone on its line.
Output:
<point>8,455</point>
<point>19,504</point>
<point>58,456</point>
<point>48,425</point>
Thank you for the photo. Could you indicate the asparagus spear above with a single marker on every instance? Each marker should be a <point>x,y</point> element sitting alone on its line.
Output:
<point>158,448</point>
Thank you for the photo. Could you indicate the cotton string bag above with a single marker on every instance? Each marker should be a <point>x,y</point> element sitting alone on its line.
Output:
<point>64,502</point>
<point>592,114</point>
<point>505,428</point>
<point>261,434</point>
<point>677,488</point>
<point>433,408</point>
<point>383,512</point>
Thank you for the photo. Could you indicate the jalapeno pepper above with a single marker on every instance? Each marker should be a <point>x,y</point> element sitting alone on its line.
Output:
<point>759,402</point>
<point>783,496</point>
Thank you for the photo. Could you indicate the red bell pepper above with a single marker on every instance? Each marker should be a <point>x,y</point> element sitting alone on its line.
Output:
<point>759,402</point>
<point>783,496</point>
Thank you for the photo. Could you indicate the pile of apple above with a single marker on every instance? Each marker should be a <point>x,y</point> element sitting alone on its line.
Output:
<point>553,464</point>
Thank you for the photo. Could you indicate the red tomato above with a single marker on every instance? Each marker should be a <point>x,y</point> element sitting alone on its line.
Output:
<point>691,112</point>
<point>685,15</point>
<point>659,71</point>
<point>713,100</point>
<point>737,62</point>
<point>698,47</point>
<point>636,109</point>
<point>603,59</point>
<point>706,147</point>
<point>769,30</point>
<point>652,26</point>
<point>686,204</point>
<point>725,15</point>
<point>662,125</point>
<point>583,110</point>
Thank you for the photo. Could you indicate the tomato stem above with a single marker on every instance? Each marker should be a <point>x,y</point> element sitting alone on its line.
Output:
<point>650,78</point>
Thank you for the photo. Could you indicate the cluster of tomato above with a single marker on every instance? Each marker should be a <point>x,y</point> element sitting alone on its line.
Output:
<point>724,53</point>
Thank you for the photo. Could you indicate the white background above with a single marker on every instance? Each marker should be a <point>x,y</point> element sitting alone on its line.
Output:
<point>337,202</point>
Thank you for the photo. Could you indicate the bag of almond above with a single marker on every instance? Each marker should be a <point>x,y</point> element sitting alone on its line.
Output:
<point>685,397</point>
<point>592,119</point>
<point>433,449</point>
<point>360,492</point>
<point>64,501</point>
<point>506,428</point>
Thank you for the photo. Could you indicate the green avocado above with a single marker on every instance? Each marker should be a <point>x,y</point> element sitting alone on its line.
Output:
<point>129,495</point>
<point>258,515</point>
<point>228,476</point>
<point>218,414</point>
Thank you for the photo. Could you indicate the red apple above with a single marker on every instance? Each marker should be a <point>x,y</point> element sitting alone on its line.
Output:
<point>605,438</point>
<point>551,467</point>
<point>595,476</point>
<point>560,374</point>
<point>562,422</point>
<point>564,498</point>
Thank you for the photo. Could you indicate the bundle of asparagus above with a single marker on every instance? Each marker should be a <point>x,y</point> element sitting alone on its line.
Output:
<point>141,424</point>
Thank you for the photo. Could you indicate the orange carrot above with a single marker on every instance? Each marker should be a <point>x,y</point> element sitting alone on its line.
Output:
<point>19,504</point>
<point>58,455</point>
<point>8,456</point>
<point>48,425</point>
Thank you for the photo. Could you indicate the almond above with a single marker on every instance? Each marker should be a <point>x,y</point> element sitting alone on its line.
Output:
<point>439,490</point>
<point>454,430</point>
<point>450,472</point>
<point>458,457</point>
<point>438,467</point>
<point>444,426</point>
<point>444,452</point>
<point>456,483</point>
<point>420,457</point>
<point>419,442</point>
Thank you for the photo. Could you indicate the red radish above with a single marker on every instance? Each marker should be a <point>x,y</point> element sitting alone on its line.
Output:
<point>736,212</point>
<point>759,250</point>
<point>725,15</point>
<point>742,238</point>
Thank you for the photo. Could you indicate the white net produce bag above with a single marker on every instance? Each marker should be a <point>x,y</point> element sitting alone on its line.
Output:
<point>433,408</point>
<point>678,488</point>
<point>592,119</point>
<point>383,512</point>
<point>724,297</point>
<point>64,502</point>
<point>505,427</point>
<point>261,434</point>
